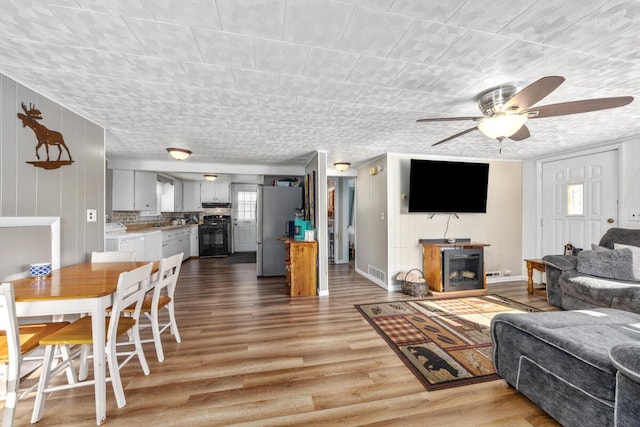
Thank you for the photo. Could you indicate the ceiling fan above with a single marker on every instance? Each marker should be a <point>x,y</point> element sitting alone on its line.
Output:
<point>505,109</point>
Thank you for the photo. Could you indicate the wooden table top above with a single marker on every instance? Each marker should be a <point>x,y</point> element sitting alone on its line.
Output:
<point>88,280</point>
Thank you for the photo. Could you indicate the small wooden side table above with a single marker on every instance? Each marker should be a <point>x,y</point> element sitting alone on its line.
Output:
<point>535,264</point>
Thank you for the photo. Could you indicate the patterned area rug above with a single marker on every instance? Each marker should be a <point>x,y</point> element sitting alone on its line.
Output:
<point>445,342</point>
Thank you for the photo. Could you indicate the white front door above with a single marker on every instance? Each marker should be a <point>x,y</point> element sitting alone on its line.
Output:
<point>579,200</point>
<point>244,198</point>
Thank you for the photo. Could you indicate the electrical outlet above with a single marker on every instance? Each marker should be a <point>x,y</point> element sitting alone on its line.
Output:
<point>507,272</point>
<point>92,215</point>
<point>634,215</point>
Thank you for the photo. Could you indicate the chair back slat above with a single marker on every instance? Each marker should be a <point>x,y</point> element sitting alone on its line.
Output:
<point>132,285</point>
<point>167,276</point>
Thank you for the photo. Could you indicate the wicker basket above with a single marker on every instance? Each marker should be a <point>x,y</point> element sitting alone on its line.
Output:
<point>414,285</point>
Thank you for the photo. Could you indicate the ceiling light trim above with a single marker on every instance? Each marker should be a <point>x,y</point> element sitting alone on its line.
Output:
<point>179,153</point>
<point>342,166</point>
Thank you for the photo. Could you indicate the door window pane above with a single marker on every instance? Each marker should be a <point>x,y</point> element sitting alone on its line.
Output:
<point>575,202</point>
<point>246,206</point>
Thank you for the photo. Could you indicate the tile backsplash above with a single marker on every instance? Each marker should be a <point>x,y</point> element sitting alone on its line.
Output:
<point>134,217</point>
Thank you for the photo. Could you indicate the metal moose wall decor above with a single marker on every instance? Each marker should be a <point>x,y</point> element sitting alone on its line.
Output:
<point>45,137</point>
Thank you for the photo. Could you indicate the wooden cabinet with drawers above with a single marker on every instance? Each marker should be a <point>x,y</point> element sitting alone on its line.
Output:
<point>301,264</point>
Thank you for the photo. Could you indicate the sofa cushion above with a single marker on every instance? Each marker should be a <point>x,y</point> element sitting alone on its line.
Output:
<point>625,236</point>
<point>586,291</point>
<point>619,264</point>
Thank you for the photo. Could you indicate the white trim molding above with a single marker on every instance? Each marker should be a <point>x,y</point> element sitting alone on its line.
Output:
<point>34,221</point>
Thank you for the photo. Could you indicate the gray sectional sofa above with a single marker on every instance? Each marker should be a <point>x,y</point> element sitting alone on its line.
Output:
<point>581,367</point>
<point>606,275</point>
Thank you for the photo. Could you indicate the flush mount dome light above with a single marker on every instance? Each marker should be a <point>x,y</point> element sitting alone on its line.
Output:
<point>179,153</point>
<point>342,166</point>
<point>210,177</point>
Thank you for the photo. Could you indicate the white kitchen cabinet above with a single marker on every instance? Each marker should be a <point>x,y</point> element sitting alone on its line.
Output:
<point>182,244</point>
<point>191,196</point>
<point>152,246</point>
<point>127,242</point>
<point>168,243</point>
<point>167,197</point>
<point>122,190</point>
<point>134,191</point>
<point>177,196</point>
<point>194,242</point>
<point>176,241</point>
<point>214,192</point>
<point>145,192</point>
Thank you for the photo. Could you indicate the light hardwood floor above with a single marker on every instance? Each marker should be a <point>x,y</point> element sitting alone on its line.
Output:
<point>251,355</point>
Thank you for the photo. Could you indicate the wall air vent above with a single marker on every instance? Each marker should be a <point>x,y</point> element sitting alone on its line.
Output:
<point>377,273</point>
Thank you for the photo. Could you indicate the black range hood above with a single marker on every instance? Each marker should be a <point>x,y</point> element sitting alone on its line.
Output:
<point>216,205</point>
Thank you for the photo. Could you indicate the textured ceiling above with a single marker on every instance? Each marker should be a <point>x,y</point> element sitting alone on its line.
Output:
<point>270,81</point>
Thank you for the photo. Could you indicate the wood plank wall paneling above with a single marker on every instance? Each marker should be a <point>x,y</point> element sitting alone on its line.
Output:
<point>66,192</point>
<point>252,355</point>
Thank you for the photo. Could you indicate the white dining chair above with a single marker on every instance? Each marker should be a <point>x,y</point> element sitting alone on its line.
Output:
<point>20,341</point>
<point>113,256</point>
<point>131,288</point>
<point>160,297</point>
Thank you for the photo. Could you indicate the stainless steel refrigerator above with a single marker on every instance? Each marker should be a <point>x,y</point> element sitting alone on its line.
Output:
<point>276,206</point>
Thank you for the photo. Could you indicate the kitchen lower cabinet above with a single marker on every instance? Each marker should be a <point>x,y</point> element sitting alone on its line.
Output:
<point>176,241</point>
<point>128,242</point>
<point>193,242</point>
<point>152,246</point>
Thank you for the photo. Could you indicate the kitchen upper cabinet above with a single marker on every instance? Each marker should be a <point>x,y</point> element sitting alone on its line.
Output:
<point>145,191</point>
<point>122,190</point>
<point>177,196</point>
<point>134,191</point>
<point>214,192</point>
<point>191,196</point>
<point>167,196</point>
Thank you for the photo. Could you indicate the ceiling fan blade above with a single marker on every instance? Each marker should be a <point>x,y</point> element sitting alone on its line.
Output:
<point>575,107</point>
<point>533,93</point>
<point>456,135</point>
<point>522,133</point>
<point>448,119</point>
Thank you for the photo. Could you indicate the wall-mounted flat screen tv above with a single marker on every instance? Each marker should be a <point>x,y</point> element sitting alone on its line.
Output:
<point>448,187</point>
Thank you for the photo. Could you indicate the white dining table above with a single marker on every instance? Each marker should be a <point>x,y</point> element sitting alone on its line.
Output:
<point>77,289</point>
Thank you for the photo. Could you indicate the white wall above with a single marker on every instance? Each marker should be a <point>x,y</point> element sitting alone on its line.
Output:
<point>628,196</point>
<point>318,164</point>
<point>500,227</point>
<point>387,234</point>
<point>372,228</point>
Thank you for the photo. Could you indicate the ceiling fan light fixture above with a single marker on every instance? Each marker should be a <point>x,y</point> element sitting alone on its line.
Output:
<point>210,177</point>
<point>179,153</point>
<point>341,166</point>
<point>502,126</point>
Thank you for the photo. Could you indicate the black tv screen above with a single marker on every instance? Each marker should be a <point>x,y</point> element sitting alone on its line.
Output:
<point>448,187</point>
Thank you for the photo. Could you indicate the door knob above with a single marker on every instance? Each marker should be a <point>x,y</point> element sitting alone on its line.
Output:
<point>610,220</point>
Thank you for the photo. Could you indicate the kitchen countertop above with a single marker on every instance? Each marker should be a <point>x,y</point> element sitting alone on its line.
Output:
<point>134,230</point>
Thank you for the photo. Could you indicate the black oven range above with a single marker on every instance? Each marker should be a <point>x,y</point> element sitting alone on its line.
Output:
<point>213,234</point>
